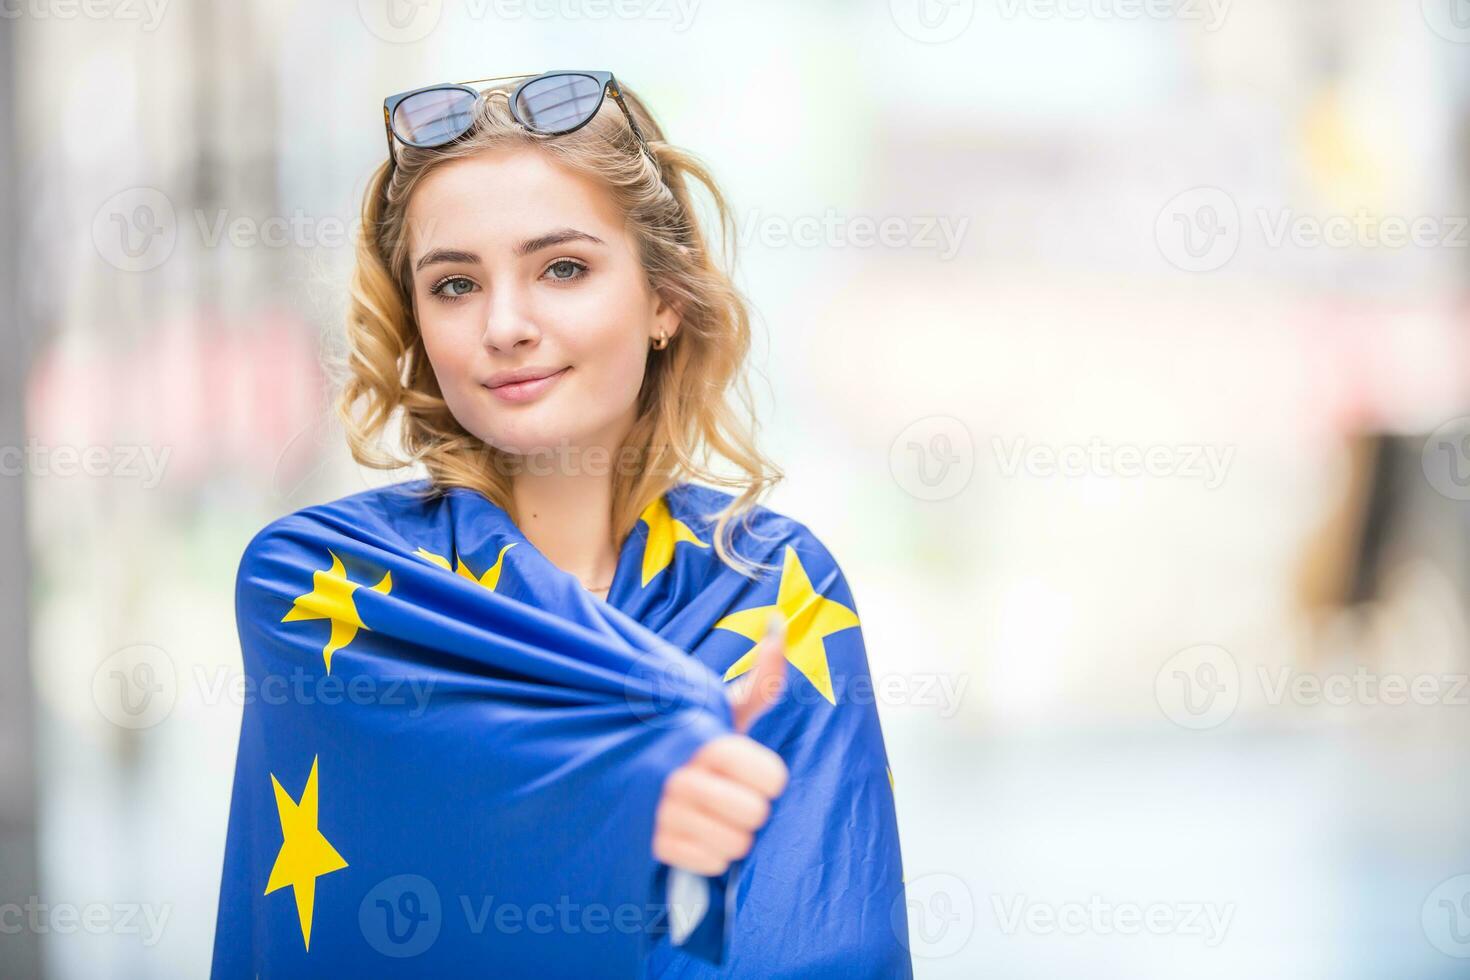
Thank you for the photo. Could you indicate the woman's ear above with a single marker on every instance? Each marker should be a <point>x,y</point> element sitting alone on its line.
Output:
<point>668,314</point>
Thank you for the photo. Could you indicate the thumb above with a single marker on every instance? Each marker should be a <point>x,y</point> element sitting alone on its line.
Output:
<point>767,677</point>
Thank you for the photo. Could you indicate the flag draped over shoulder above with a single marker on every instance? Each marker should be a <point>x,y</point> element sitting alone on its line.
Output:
<point>451,753</point>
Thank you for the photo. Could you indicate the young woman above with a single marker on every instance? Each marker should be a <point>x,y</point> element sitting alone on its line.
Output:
<point>537,318</point>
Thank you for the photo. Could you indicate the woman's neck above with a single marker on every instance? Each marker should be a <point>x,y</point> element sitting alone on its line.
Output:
<point>569,520</point>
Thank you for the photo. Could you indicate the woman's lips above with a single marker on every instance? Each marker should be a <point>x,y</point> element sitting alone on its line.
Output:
<point>524,391</point>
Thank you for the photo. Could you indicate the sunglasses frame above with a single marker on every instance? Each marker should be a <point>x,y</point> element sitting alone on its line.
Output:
<point>607,85</point>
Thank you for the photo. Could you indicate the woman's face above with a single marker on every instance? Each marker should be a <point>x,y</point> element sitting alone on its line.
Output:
<point>522,267</point>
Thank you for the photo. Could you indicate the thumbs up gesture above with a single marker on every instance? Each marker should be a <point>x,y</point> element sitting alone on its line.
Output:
<point>712,805</point>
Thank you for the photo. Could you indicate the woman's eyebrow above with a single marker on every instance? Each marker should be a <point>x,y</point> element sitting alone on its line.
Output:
<point>445,255</point>
<point>559,237</point>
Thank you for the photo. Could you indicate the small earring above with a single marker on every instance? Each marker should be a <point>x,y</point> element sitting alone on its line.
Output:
<point>662,341</point>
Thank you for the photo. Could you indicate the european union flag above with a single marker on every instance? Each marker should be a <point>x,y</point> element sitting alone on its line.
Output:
<point>451,754</point>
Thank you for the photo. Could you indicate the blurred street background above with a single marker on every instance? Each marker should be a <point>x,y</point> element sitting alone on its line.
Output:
<point>1119,350</point>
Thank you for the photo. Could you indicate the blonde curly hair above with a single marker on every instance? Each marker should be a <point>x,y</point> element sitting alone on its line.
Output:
<point>685,418</point>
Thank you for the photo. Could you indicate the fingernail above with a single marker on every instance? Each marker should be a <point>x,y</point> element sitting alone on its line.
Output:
<point>776,625</point>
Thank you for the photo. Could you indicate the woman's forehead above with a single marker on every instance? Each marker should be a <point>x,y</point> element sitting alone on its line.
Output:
<point>501,198</point>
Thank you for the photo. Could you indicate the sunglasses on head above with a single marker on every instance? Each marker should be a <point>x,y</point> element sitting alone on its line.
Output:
<point>553,103</point>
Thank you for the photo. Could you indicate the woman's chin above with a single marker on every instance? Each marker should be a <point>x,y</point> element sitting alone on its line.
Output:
<point>552,446</point>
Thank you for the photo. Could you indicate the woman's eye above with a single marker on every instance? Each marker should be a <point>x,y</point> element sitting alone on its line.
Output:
<point>565,270</point>
<point>452,287</point>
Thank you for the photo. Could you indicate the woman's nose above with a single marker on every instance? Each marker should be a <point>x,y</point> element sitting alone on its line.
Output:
<point>508,323</point>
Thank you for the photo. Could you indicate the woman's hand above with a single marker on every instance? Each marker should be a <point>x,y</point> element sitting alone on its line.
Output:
<point>712,805</point>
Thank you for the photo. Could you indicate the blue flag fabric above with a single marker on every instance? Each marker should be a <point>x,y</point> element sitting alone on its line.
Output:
<point>451,753</point>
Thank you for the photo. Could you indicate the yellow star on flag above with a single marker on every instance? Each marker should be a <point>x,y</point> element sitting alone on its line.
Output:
<point>664,531</point>
<point>489,580</point>
<point>331,598</point>
<point>810,619</point>
<point>305,854</point>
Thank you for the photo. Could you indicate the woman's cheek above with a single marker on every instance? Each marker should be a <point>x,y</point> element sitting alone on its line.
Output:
<point>604,372</point>
<point>451,364</point>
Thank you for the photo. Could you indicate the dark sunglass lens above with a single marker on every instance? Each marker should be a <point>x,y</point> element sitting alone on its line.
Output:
<point>558,103</point>
<point>434,117</point>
